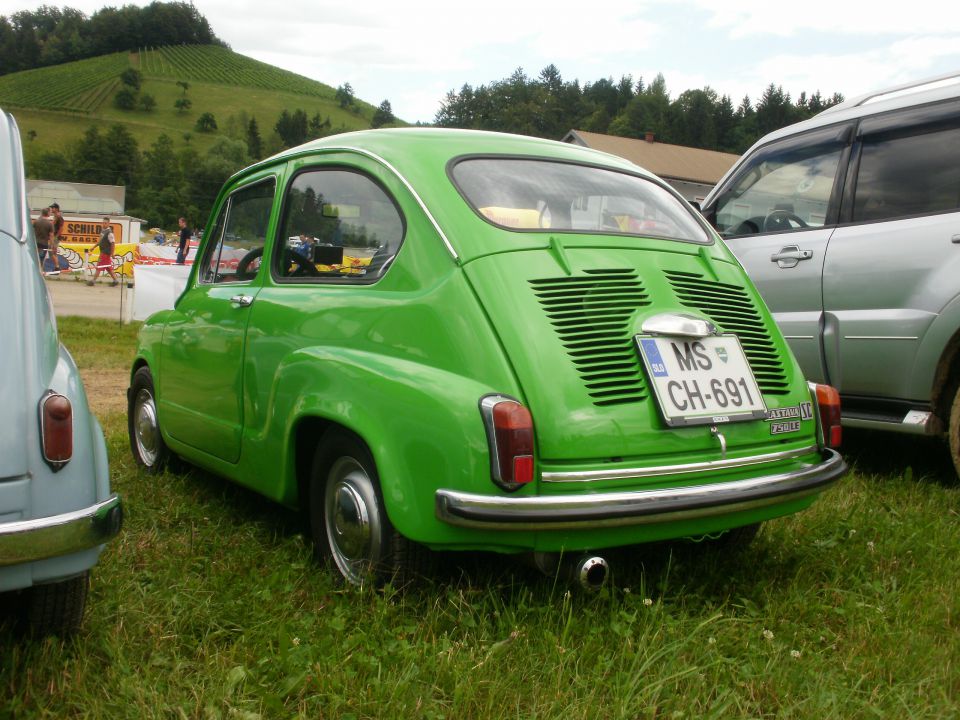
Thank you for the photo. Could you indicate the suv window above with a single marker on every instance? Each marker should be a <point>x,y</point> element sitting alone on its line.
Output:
<point>787,186</point>
<point>337,225</point>
<point>236,242</point>
<point>538,195</point>
<point>906,175</point>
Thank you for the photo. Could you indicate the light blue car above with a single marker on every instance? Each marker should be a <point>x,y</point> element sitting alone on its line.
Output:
<point>56,508</point>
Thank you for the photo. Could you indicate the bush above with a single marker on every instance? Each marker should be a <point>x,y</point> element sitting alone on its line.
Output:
<point>206,123</point>
<point>147,102</point>
<point>125,99</point>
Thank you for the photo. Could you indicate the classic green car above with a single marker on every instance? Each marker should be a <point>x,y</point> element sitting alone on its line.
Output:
<point>440,339</point>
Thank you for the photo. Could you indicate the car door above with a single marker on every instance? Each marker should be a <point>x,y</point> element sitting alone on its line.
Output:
<point>894,262</point>
<point>200,392</point>
<point>776,214</point>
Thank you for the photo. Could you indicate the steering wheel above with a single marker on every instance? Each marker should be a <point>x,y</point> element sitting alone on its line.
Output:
<point>781,219</point>
<point>304,268</point>
<point>244,269</point>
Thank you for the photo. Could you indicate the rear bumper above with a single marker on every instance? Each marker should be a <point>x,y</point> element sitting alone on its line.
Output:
<point>26,541</point>
<point>618,509</point>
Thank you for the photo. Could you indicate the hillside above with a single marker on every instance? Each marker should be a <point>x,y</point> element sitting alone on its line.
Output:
<point>55,105</point>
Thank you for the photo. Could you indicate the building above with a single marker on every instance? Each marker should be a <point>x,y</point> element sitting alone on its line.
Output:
<point>84,206</point>
<point>692,171</point>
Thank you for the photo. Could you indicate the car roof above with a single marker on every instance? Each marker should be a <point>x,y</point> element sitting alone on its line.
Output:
<point>403,147</point>
<point>12,199</point>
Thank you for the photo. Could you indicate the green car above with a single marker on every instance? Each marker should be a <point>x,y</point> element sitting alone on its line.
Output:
<point>438,339</point>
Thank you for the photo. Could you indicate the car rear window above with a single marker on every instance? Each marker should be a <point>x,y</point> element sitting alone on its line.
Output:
<point>549,196</point>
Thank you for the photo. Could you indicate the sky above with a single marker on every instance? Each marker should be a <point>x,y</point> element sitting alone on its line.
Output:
<point>413,53</point>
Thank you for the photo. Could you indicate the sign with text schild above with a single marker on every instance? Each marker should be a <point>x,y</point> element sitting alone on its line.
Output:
<point>86,232</point>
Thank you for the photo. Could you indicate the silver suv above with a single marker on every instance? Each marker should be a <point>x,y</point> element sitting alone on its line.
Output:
<point>849,224</point>
<point>56,508</point>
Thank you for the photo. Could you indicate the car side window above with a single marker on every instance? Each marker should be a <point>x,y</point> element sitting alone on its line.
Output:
<point>787,186</point>
<point>236,243</point>
<point>908,174</point>
<point>338,226</point>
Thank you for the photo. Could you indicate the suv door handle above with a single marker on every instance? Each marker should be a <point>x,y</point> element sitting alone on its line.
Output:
<point>242,300</point>
<point>790,256</point>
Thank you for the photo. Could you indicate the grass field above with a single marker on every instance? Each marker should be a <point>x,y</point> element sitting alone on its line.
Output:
<point>209,605</point>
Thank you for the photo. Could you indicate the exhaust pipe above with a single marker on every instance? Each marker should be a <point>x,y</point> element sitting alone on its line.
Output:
<point>589,571</point>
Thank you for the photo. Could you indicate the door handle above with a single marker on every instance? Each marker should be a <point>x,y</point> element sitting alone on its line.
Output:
<point>955,239</point>
<point>790,256</point>
<point>242,300</point>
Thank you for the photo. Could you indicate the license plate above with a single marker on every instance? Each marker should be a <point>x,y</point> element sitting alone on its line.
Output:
<point>701,381</point>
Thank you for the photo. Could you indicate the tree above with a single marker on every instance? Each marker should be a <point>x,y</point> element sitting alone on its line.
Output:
<point>292,127</point>
<point>184,85</point>
<point>125,99</point>
<point>254,142</point>
<point>318,128</point>
<point>131,78</point>
<point>206,123</point>
<point>383,115</point>
<point>183,104</point>
<point>344,96</point>
<point>147,102</point>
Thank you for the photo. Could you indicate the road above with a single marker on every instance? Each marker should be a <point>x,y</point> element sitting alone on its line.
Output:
<point>72,296</point>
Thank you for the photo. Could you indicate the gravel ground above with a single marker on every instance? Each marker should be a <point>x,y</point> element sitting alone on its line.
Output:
<point>72,296</point>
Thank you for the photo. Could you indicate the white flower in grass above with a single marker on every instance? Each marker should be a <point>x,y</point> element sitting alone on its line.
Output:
<point>296,641</point>
<point>767,634</point>
<point>711,641</point>
<point>648,602</point>
<point>795,653</point>
<point>870,545</point>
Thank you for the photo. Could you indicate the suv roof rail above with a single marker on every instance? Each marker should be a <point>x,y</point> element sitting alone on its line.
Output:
<point>908,88</point>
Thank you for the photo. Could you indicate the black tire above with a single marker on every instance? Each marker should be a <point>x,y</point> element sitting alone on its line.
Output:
<point>953,431</point>
<point>143,427</point>
<point>348,518</point>
<point>57,608</point>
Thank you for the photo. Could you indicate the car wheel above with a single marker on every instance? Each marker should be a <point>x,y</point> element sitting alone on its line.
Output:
<point>57,608</point>
<point>348,519</point>
<point>146,442</point>
<point>954,431</point>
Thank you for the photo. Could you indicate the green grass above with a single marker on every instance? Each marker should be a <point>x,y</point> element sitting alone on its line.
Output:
<point>210,605</point>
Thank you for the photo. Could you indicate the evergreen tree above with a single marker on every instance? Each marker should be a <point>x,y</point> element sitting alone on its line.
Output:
<point>254,143</point>
<point>383,115</point>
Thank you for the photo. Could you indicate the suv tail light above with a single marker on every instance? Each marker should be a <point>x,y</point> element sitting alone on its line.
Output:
<point>510,439</point>
<point>828,405</point>
<point>56,429</point>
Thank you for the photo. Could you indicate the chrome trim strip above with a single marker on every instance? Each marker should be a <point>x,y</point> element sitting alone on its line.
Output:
<point>406,184</point>
<point>880,337</point>
<point>798,337</point>
<point>678,325</point>
<point>619,509</point>
<point>660,470</point>
<point>41,538</point>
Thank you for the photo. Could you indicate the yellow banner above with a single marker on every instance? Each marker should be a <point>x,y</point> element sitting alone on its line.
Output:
<point>80,255</point>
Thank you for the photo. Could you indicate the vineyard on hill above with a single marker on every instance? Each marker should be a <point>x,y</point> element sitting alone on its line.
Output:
<point>214,64</point>
<point>80,86</point>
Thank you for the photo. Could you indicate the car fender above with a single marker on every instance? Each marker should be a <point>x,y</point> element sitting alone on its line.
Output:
<point>421,423</point>
<point>933,361</point>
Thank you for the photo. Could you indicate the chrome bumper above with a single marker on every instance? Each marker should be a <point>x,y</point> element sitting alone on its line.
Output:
<point>615,509</point>
<point>30,540</point>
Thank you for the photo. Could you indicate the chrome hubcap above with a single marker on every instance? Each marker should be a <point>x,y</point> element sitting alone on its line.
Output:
<point>352,520</point>
<point>146,430</point>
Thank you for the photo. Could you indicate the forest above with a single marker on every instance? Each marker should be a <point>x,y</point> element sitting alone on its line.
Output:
<point>548,106</point>
<point>51,36</point>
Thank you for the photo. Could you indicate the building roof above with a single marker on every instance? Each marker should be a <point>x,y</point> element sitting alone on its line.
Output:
<point>675,162</point>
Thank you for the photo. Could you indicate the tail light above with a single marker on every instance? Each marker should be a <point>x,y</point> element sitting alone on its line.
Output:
<point>510,438</point>
<point>828,405</point>
<point>56,429</point>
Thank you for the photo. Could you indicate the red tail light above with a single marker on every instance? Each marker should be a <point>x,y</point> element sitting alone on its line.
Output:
<point>828,401</point>
<point>510,438</point>
<point>56,429</point>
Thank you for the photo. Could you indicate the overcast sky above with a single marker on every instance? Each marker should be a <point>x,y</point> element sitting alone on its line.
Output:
<point>412,53</point>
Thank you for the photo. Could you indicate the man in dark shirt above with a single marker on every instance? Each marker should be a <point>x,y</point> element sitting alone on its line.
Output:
<point>185,233</point>
<point>43,232</point>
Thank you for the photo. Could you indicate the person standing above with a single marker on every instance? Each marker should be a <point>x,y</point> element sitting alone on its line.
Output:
<point>43,232</point>
<point>106,245</point>
<point>57,234</point>
<point>185,234</point>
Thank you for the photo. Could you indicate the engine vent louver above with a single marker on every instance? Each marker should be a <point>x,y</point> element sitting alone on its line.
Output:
<point>592,315</point>
<point>730,307</point>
